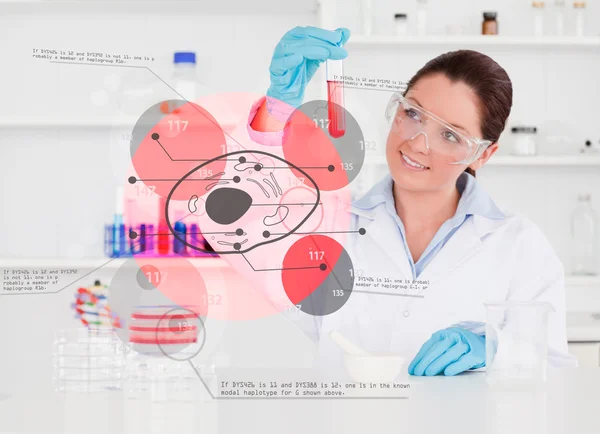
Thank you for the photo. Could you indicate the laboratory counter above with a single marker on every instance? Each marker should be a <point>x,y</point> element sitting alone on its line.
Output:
<point>568,403</point>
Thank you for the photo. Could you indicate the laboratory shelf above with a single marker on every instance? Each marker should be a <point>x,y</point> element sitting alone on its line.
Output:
<point>582,281</point>
<point>74,123</point>
<point>511,160</point>
<point>172,7</point>
<point>545,160</point>
<point>66,123</point>
<point>360,41</point>
<point>108,263</point>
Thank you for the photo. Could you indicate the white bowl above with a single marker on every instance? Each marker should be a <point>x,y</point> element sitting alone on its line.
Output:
<point>376,368</point>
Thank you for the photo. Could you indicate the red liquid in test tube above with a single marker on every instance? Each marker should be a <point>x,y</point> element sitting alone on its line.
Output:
<point>163,229</point>
<point>335,98</point>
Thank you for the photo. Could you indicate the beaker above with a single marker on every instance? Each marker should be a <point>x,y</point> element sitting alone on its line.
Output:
<point>517,341</point>
<point>335,98</point>
<point>88,360</point>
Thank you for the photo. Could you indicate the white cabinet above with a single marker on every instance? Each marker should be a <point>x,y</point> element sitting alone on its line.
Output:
<point>588,353</point>
<point>583,329</point>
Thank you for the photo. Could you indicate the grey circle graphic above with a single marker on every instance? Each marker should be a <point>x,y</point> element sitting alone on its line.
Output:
<point>334,291</point>
<point>142,280</point>
<point>350,146</point>
<point>406,314</point>
<point>148,121</point>
<point>129,294</point>
<point>174,319</point>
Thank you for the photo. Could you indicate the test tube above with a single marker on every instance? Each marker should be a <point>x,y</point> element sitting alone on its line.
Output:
<point>196,240</point>
<point>142,238</point>
<point>163,229</point>
<point>109,242</point>
<point>150,239</point>
<point>335,98</point>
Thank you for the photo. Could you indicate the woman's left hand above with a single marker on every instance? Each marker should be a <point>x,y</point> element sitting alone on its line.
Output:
<point>449,351</point>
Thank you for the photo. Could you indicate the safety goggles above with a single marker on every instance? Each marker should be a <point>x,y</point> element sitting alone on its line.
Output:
<point>408,120</point>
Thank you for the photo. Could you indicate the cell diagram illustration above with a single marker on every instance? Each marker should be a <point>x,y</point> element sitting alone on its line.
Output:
<point>277,213</point>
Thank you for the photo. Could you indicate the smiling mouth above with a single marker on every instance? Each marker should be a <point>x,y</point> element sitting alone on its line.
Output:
<point>412,163</point>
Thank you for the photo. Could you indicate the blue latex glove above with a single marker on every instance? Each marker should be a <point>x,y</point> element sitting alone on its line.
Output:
<point>297,57</point>
<point>449,351</point>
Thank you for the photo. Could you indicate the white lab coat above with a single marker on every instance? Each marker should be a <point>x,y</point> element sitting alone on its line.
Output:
<point>484,260</point>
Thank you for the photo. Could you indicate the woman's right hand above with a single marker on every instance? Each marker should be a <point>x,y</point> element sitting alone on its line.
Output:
<point>297,57</point>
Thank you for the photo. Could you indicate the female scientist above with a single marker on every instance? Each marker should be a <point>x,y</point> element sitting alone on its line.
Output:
<point>429,220</point>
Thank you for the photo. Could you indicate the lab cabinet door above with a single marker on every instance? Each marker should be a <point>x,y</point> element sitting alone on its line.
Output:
<point>588,353</point>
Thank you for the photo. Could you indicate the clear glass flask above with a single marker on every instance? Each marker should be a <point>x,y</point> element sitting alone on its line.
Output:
<point>584,233</point>
<point>335,98</point>
<point>516,342</point>
<point>153,376</point>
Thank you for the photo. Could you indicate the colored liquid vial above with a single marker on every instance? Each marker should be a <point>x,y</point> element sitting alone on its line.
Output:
<point>335,98</point>
<point>179,241</point>
<point>163,229</point>
<point>163,239</point>
<point>142,238</point>
<point>150,239</point>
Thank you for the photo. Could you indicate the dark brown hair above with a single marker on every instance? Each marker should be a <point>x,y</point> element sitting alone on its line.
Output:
<point>487,79</point>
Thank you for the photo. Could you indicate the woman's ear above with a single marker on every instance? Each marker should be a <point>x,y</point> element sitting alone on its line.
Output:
<point>478,164</point>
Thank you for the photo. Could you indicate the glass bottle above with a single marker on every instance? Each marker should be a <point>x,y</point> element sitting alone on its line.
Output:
<point>560,17</point>
<point>367,17</point>
<point>401,25</point>
<point>490,24</point>
<point>579,14</point>
<point>421,17</point>
<point>184,74</point>
<point>183,80</point>
<point>538,18</point>
<point>584,232</point>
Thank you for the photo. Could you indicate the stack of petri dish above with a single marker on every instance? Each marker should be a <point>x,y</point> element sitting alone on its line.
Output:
<point>88,360</point>
<point>164,326</point>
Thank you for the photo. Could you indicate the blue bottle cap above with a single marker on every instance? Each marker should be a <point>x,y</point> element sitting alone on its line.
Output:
<point>184,57</point>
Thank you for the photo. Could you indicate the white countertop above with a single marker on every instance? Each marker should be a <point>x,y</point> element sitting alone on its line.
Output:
<point>463,405</point>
